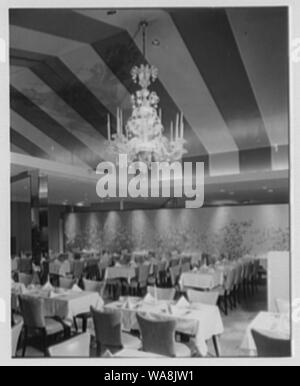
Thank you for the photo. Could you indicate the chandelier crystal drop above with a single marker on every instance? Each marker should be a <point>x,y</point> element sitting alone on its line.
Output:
<point>142,137</point>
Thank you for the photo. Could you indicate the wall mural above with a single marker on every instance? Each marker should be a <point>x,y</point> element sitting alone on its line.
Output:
<point>235,231</point>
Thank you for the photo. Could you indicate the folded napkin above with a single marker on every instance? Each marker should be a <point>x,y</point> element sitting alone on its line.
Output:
<point>149,298</point>
<point>47,286</point>
<point>52,295</point>
<point>100,304</point>
<point>128,304</point>
<point>75,288</point>
<point>182,303</point>
<point>107,354</point>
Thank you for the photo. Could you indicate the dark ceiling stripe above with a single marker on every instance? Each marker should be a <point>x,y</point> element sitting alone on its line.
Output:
<point>33,114</point>
<point>259,159</point>
<point>62,22</point>
<point>53,72</point>
<point>29,147</point>
<point>115,46</point>
<point>210,40</point>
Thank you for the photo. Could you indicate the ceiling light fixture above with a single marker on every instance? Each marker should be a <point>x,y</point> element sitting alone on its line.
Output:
<point>142,138</point>
<point>111,12</point>
<point>156,42</point>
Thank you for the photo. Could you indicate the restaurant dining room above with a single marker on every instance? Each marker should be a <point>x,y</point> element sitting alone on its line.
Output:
<point>150,200</point>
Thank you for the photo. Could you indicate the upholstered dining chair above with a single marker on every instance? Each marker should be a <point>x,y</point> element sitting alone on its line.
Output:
<point>167,294</point>
<point>89,286</point>
<point>108,332</point>
<point>93,286</point>
<point>210,298</point>
<point>66,283</point>
<point>271,347</point>
<point>185,267</point>
<point>32,310</point>
<point>78,269</point>
<point>15,337</point>
<point>25,279</point>
<point>226,291</point>
<point>140,283</point>
<point>175,275</point>
<point>78,347</point>
<point>158,337</point>
<point>161,272</point>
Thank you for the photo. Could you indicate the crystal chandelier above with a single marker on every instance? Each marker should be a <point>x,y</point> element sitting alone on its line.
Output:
<point>142,137</point>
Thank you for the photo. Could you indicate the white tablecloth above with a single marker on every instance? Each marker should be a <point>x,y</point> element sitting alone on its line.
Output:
<point>205,281</point>
<point>275,325</point>
<point>58,268</point>
<point>127,273</point>
<point>65,305</point>
<point>200,321</point>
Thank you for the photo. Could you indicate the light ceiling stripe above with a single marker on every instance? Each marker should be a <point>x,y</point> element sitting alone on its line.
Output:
<point>48,101</point>
<point>25,128</point>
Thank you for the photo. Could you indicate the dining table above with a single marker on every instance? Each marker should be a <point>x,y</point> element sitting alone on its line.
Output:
<point>58,302</point>
<point>205,279</point>
<point>200,321</point>
<point>120,272</point>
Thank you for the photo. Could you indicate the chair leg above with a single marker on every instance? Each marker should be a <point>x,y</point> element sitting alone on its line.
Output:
<point>226,303</point>
<point>45,344</point>
<point>239,294</point>
<point>216,346</point>
<point>84,324</point>
<point>98,349</point>
<point>75,324</point>
<point>25,341</point>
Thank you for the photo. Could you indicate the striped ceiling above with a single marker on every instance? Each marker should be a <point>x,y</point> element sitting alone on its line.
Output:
<point>227,70</point>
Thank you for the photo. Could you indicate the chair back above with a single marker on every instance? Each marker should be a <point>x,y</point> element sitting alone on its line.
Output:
<point>93,286</point>
<point>108,326</point>
<point>25,266</point>
<point>239,274</point>
<point>78,347</point>
<point>66,283</point>
<point>162,293</point>
<point>32,310</point>
<point>92,271</point>
<point>25,279</point>
<point>161,266</point>
<point>175,274</point>
<point>174,262</point>
<point>187,260</point>
<point>210,298</point>
<point>158,336</point>
<point>143,273</point>
<point>185,267</point>
<point>270,347</point>
<point>229,280</point>
<point>15,336</point>
<point>102,267</point>
<point>78,268</point>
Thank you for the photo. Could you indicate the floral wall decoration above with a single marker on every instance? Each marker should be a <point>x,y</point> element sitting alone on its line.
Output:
<point>235,231</point>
